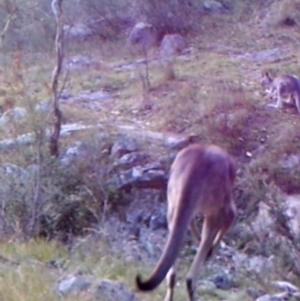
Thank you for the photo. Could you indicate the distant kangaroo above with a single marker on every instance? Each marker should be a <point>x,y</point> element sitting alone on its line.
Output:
<point>201,181</point>
<point>285,88</point>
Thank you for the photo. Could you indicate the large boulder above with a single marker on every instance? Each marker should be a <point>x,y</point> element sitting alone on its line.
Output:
<point>143,34</point>
<point>149,176</point>
<point>15,115</point>
<point>172,44</point>
<point>93,289</point>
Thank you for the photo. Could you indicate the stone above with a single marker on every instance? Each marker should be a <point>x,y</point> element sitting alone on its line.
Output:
<point>286,286</point>
<point>109,290</point>
<point>73,152</point>
<point>71,284</point>
<point>223,281</point>
<point>158,221</point>
<point>44,106</point>
<point>172,44</point>
<point>292,210</point>
<point>143,34</point>
<point>16,114</point>
<point>149,176</point>
<point>213,6</point>
<point>77,32</point>
<point>131,159</point>
<point>290,161</point>
<point>123,145</point>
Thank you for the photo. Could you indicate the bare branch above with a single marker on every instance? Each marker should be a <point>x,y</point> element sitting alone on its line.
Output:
<point>57,115</point>
<point>11,12</point>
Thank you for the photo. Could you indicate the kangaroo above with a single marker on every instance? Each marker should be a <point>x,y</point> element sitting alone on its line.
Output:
<point>201,181</point>
<point>285,88</point>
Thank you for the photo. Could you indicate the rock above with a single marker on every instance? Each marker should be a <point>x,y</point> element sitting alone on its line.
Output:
<point>29,138</point>
<point>290,161</point>
<point>293,213</point>
<point>206,285</point>
<point>131,159</point>
<point>256,264</point>
<point>109,290</point>
<point>254,293</point>
<point>266,297</point>
<point>266,56</point>
<point>83,61</point>
<point>172,44</point>
<point>43,106</point>
<point>213,6</point>
<point>75,151</point>
<point>223,281</point>
<point>123,145</point>
<point>78,62</point>
<point>92,289</point>
<point>290,291</point>
<point>67,129</point>
<point>16,114</point>
<point>143,34</point>
<point>77,32</point>
<point>170,140</point>
<point>179,142</point>
<point>73,283</point>
<point>158,220</point>
<point>92,95</point>
<point>8,144</point>
<point>149,176</point>
<point>263,221</point>
<point>276,297</point>
<point>65,95</point>
<point>13,170</point>
<point>286,286</point>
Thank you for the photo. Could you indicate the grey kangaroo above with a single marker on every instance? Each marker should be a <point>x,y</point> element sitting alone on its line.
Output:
<point>201,181</point>
<point>284,88</point>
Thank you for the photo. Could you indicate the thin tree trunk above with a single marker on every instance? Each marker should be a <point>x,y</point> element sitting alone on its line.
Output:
<point>57,115</point>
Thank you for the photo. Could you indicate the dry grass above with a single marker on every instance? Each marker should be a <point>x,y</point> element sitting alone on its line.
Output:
<point>34,279</point>
<point>210,92</point>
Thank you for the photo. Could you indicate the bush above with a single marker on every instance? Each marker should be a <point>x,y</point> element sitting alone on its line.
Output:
<point>32,27</point>
<point>172,16</point>
<point>51,199</point>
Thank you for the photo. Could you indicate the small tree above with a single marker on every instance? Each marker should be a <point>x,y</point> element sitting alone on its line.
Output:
<point>57,115</point>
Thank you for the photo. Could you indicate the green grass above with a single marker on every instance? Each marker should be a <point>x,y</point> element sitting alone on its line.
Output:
<point>34,280</point>
<point>35,249</point>
<point>31,279</point>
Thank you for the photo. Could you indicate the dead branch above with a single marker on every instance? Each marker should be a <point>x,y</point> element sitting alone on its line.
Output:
<point>57,115</point>
<point>11,12</point>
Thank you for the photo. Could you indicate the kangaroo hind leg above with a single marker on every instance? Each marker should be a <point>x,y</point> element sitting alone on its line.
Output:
<point>210,228</point>
<point>171,275</point>
<point>228,217</point>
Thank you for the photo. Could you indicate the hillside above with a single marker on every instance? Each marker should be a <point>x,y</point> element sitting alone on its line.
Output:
<point>61,216</point>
